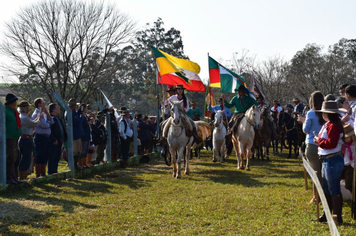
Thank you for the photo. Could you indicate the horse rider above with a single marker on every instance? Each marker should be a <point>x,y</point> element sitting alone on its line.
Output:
<point>242,102</point>
<point>298,107</point>
<point>261,101</point>
<point>180,96</point>
<point>194,112</point>
<point>220,107</point>
<point>171,91</point>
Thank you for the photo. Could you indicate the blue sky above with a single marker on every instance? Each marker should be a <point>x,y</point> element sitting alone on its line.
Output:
<point>222,28</point>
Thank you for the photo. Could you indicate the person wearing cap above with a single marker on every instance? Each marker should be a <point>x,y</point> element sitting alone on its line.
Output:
<point>42,140</point>
<point>220,107</point>
<point>126,135</point>
<point>58,137</point>
<point>26,139</point>
<point>13,132</point>
<point>313,123</point>
<point>348,151</point>
<point>99,138</point>
<point>330,140</point>
<point>194,112</point>
<point>78,131</point>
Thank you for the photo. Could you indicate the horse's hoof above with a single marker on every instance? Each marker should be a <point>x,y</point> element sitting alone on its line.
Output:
<point>214,160</point>
<point>248,169</point>
<point>222,161</point>
<point>178,177</point>
<point>186,173</point>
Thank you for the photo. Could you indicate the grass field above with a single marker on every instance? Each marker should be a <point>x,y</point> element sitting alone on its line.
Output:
<point>215,199</point>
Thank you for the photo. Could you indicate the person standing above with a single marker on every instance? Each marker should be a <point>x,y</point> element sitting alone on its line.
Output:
<point>99,137</point>
<point>13,132</point>
<point>42,140</point>
<point>220,107</point>
<point>126,135</point>
<point>58,137</point>
<point>313,123</point>
<point>330,140</point>
<point>26,139</point>
<point>298,107</point>
<point>350,91</point>
<point>78,131</point>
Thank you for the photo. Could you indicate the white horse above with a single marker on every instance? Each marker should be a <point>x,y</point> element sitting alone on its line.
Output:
<point>178,140</point>
<point>219,141</point>
<point>243,137</point>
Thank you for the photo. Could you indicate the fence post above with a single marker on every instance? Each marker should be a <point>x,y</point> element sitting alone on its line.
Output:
<point>135,137</point>
<point>2,145</point>
<point>69,125</point>
<point>108,129</point>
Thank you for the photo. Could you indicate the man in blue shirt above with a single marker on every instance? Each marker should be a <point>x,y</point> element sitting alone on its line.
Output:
<point>220,107</point>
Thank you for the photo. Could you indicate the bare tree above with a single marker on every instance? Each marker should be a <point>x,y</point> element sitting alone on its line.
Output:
<point>68,46</point>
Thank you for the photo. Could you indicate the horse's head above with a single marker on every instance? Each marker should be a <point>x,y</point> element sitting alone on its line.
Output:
<point>280,118</point>
<point>177,110</point>
<point>218,118</point>
<point>254,115</point>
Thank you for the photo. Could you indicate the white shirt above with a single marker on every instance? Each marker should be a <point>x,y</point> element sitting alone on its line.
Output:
<point>174,98</point>
<point>129,131</point>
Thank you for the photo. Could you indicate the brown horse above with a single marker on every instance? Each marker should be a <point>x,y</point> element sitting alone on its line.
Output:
<point>264,136</point>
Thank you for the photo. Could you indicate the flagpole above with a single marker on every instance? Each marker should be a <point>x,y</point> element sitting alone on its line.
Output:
<point>209,93</point>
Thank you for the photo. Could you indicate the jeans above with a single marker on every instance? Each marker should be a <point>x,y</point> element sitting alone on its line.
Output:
<point>54,158</point>
<point>331,174</point>
<point>26,147</point>
<point>42,149</point>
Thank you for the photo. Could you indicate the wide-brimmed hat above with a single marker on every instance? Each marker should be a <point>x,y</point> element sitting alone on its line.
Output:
<point>172,88</point>
<point>331,107</point>
<point>349,130</point>
<point>295,99</point>
<point>10,98</point>
<point>180,86</point>
<point>241,88</point>
<point>24,104</point>
<point>72,102</point>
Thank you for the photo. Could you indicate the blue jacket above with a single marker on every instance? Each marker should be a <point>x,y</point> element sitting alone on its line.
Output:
<point>78,130</point>
<point>311,124</point>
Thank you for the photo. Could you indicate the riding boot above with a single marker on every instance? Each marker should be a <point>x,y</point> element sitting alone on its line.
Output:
<point>197,140</point>
<point>76,158</point>
<point>88,160</point>
<point>322,218</point>
<point>43,169</point>
<point>337,207</point>
<point>38,168</point>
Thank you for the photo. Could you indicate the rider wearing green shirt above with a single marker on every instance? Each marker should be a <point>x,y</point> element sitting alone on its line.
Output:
<point>242,102</point>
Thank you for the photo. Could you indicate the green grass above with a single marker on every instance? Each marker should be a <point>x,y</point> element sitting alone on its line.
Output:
<point>215,199</point>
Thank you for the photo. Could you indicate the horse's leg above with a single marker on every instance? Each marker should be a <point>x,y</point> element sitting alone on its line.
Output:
<point>237,152</point>
<point>261,151</point>
<point>174,160</point>
<point>187,172</point>
<point>179,160</point>
<point>248,155</point>
<point>290,147</point>
<point>242,155</point>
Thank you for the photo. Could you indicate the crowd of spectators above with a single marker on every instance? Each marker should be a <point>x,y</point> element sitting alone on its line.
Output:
<point>36,142</point>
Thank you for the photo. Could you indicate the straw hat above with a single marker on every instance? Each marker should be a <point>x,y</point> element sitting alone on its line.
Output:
<point>349,130</point>
<point>331,107</point>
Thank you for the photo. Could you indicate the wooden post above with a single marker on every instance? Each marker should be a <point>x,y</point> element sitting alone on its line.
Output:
<point>317,199</point>
<point>305,178</point>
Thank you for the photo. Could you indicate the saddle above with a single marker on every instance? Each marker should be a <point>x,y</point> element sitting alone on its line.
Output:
<point>236,121</point>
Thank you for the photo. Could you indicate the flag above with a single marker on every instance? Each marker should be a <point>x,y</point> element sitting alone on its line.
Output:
<point>221,77</point>
<point>209,99</point>
<point>256,90</point>
<point>173,71</point>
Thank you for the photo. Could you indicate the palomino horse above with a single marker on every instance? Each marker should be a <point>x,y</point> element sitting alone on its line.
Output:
<point>242,138</point>
<point>263,137</point>
<point>219,141</point>
<point>204,132</point>
<point>178,140</point>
